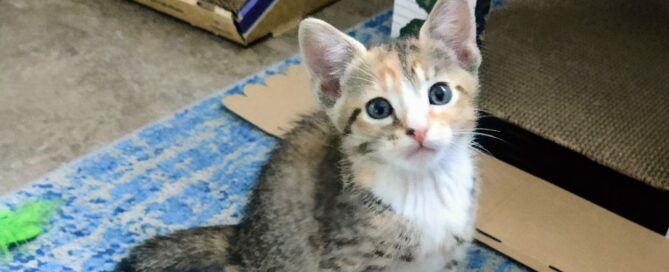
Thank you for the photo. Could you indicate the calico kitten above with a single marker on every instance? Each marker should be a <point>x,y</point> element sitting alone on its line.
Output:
<point>382,179</point>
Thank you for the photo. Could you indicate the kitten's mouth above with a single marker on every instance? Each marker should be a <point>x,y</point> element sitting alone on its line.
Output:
<point>421,150</point>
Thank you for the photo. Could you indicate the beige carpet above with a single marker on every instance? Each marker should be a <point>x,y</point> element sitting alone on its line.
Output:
<point>592,76</point>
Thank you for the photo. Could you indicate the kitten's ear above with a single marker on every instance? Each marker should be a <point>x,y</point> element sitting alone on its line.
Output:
<point>326,52</point>
<point>450,27</point>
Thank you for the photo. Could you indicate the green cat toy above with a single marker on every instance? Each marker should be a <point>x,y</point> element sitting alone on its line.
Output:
<point>25,223</point>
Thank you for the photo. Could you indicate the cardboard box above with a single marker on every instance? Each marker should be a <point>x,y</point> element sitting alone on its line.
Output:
<point>522,216</point>
<point>257,19</point>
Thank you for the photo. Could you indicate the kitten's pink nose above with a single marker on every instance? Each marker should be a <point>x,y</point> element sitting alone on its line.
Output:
<point>417,134</point>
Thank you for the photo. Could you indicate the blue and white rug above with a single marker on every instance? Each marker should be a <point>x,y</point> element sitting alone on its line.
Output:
<point>193,168</point>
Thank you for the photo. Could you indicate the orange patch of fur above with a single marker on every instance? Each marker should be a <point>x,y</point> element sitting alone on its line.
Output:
<point>386,68</point>
<point>420,64</point>
<point>363,175</point>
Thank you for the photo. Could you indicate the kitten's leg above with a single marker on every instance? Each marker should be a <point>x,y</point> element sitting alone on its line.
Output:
<point>351,259</point>
<point>457,258</point>
<point>198,249</point>
<point>357,256</point>
<point>354,264</point>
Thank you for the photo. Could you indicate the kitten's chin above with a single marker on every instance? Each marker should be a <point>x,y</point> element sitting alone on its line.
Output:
<point>421,155</point>
<point>414,159</point>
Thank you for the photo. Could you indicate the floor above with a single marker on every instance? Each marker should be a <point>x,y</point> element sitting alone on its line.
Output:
<point>75,75</point>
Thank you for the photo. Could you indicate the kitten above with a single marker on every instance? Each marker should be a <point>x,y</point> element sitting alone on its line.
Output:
<point>382,179</point>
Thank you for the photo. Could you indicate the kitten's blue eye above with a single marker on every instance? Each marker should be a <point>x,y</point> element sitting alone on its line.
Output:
<point>379,108</point>
<point>440,94</point>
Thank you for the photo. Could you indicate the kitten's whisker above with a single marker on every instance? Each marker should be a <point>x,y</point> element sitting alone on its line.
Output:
<point>365,80</point>
<point>487,129</point>
<point>480,149</point>
<point>368,78</point>
<point>473,133</point>
<point>367,72</point>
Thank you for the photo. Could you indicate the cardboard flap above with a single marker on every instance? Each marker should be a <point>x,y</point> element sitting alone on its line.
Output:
<point>212,18</point>
<point>256,20</point>
<point>560,230</point>
<point>274,105</point>
<point>524,217</point>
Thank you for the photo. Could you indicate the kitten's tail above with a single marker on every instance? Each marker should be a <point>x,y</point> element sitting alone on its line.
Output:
<point>197,249</point>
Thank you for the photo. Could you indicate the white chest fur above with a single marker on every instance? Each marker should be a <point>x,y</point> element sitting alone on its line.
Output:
<point>437,203</point>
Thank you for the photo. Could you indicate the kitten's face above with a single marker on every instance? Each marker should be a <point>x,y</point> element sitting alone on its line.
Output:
<point>405,104</point>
